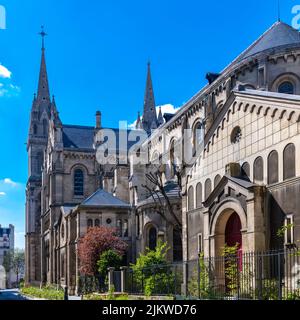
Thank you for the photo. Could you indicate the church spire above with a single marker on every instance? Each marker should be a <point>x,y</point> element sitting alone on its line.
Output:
<point>149,115</point>
<point>138,122</point>
<point>43,86</point>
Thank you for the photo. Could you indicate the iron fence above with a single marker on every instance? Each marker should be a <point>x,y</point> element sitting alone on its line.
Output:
<point>92,284</point>
<point>273,275</point>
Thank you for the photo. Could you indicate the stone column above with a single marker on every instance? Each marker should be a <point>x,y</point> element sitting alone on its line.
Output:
<point>184,286</point>
<point>110,278</point>
<point>123,279</point>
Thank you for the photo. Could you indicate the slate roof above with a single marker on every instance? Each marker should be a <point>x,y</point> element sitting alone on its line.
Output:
<point>82,137</point>
<point>172,190</point>
<point>280,34</point>
<point>78,137</point>
<point>104,199</point>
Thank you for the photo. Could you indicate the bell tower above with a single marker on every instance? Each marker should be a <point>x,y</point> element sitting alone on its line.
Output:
<point>36,146</point>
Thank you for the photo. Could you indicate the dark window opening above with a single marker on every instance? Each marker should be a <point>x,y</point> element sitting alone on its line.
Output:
<point>286,87</point>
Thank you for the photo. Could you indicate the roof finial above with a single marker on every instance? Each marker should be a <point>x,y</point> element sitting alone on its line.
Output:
<point>43,34</point>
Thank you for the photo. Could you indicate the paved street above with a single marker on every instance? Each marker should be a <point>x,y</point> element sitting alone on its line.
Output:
<point>11,295</point>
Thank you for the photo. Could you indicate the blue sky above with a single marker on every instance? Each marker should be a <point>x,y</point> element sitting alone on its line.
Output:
<point>97,53</point>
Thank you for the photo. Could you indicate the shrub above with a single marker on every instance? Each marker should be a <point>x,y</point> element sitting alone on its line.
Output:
<point>47,293</point>
<point>151,272</point>
<point>109,258</point>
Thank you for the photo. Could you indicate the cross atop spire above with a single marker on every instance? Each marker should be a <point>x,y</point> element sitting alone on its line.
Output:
<point>43,34</point>
<point>279,11</point>
<point>43,95</point>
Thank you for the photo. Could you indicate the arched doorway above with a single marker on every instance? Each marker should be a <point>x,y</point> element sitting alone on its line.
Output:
<point>233,237</point>
<point>233,234</point>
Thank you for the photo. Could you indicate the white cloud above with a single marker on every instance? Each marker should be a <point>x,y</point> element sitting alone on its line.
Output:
<point>10,182</point>
<point>165,108</point>
<point>2,194</point>
<point>4,72</point>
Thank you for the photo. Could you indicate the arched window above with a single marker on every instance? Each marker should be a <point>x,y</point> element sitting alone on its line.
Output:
<point>172,159</point>
<point>208,188</point>
<point>177,245</point>
<point>217,180</point>
<point>286,87</point>
<point>119,227</point>
<point>97,223</point>
<point>45,127</point>
<point>199,195</point>
<point>236,135</point>
<point>78,182</point>
<point>90,223</point>
<point>125,231</point>
<point>152,238</point>
<point>35,129</point>
<point>197,136</point>
<point>246,169</point>
<point>39,162</point>
<point>191,198</point>
<point>258,170</point>
<point>273,167</point>
<point>289,161</point>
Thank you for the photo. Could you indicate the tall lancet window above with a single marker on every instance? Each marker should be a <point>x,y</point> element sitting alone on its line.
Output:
<point>45,127</point>
<point>78,182</point>
<point>197,137</point>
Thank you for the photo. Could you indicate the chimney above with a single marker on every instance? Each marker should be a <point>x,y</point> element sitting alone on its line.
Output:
<point>98,120</point>
<point>233,169</point>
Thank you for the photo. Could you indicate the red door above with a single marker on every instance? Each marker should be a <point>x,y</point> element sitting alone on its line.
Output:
<point>233,235</point>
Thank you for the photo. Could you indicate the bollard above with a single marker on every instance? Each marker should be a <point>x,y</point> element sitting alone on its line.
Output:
<point>66,296</point>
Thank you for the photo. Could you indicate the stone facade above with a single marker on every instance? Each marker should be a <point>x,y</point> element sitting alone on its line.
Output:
<point>227,160</point>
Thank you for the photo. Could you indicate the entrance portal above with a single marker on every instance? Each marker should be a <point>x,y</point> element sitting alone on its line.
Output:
<point>233,234</point>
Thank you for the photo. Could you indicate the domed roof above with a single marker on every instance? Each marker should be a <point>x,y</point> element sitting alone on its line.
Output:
<point>279,35</point>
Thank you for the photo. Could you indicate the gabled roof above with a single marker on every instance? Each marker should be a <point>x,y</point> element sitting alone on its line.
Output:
<point>104,199</point>
<point>241,181</point>
<point>280,34</point>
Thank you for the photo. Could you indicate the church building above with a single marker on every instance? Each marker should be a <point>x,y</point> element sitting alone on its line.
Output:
<point>224,169</point>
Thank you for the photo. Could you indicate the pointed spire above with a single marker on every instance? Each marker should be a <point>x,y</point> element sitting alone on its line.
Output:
<point>149,116</point>
<point>43,86</point>
<point>138,122</point>
<point>160,119</point>
<point>54,113</point>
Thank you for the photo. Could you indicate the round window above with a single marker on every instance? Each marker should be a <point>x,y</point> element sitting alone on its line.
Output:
<point>108,221</point>
<point>236,135</point>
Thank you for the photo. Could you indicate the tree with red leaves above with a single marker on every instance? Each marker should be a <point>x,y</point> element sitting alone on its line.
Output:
<point>96,241</point>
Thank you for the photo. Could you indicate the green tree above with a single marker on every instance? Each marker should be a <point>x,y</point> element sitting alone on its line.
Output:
<point>15,260</point>
<point>151,270</point>
<point>109,258</point>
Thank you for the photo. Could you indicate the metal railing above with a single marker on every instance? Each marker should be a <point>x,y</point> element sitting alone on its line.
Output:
<point>272,275</point>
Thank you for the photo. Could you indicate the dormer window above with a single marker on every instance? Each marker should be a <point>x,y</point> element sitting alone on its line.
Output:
<point>286,87</point>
